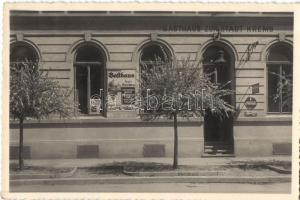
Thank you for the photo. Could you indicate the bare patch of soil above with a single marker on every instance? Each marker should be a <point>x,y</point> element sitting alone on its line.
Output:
<point>14,169</point>
<point>117,169</point>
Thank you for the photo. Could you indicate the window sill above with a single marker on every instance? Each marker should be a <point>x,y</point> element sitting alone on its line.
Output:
<point>270,114</point>
<point>101,119</point>
<point>137,120</point>
<point>267,118</point>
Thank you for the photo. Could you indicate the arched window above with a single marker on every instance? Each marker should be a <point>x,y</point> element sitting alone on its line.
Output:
<point>216,63</point>
<point>280,76</point>
<point>22,52</point>
<point>89,67</point>
<point>153,54</point>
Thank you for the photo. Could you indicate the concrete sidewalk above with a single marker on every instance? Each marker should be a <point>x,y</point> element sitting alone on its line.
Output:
<point>181,161</point>
<point>83,179</point>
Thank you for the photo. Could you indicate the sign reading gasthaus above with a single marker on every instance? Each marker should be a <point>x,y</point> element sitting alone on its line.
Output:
<point>223,28</point>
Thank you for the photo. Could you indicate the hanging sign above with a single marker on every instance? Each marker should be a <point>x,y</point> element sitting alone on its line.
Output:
<point>250,103</point>
<point>255,88</point>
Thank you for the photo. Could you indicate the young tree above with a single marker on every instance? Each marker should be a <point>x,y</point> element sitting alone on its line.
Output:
<point>179,88</point>
<point>34,95</point>
<point>284,89</point>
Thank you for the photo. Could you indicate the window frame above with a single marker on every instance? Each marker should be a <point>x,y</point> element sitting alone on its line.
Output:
<point>278,64</point>
<point>88,65</point>
<point>29,47</point>
<point>169,57</point>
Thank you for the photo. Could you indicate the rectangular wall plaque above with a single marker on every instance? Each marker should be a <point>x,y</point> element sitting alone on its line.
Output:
<point>128,94</point>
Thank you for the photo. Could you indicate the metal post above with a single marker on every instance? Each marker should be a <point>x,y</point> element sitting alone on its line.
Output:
<point>216,75</point>
<point>88,89</point>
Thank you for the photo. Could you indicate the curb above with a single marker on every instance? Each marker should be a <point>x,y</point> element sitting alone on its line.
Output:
<point>43,176</point>
<point>279,170</point>
<point>173,173</point>
<point>165,179</point>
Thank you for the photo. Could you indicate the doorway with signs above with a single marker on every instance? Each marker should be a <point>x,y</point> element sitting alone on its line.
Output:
<point>89,67</point>
<point>218,63</point>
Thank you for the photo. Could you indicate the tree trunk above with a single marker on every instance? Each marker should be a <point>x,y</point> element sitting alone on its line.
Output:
<point>21,161</point>
<point>175,158</point>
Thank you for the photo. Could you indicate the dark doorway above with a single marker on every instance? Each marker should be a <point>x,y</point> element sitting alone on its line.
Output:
<point>218,63</point>
<point>90,80</point>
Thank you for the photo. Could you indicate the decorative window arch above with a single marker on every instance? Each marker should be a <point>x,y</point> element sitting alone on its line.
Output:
<point>153,51</point>
<point>89,70</point>
<point>279,77</point>
<point>218,60</point>
<point>22,52</point>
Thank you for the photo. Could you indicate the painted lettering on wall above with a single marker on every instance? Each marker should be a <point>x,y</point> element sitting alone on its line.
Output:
<point>120,75</point>
<point>214,28</point>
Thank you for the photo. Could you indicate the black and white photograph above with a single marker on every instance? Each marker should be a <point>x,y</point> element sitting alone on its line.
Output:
<point>142,100</point>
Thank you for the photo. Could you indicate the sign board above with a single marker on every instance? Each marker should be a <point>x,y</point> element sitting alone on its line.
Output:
<point>95,104</point>
<point>121,88</point>
<point>250,103</point>
<point>128,95</point>
<point>121,78</point>
<point>255,88</point>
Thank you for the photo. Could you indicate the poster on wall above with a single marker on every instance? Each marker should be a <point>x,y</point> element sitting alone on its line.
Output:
<point>128,94</point>
<point>121,88</point>
<point>122,78</point>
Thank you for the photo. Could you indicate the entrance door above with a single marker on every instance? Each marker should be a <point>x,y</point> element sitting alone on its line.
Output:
<point>218,135</point>
<point>218,131</point>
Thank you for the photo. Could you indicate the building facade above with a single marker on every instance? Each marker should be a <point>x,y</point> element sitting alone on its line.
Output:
<point>99,56</point>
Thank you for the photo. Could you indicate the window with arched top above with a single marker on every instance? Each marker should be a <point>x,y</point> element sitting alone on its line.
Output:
<point>22,52</point>
<point>217,63</point>
<point>153,54</point>
<point>280,76</point>
<point>89,67</point>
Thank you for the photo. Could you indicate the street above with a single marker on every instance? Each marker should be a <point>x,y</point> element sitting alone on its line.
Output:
<point>160,187</point>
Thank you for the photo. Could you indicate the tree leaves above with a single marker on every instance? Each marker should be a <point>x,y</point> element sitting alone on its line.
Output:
<point>181,85</point>
<point>33,94</point>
